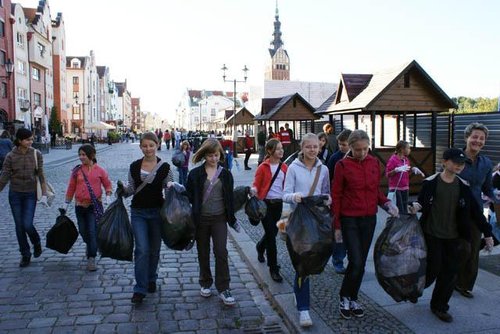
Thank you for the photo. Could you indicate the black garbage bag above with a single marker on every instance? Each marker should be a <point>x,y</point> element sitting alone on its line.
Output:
<point>177,228</point>
<point>256,210</point>
<point>115,238</point>
<point>240,194</point>
<point>400,257</point>
<point>309,236</point>
<point>62,236</point>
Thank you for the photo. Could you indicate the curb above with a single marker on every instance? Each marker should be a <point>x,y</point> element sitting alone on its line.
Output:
<point>63,161</point>
<point>280,295</point>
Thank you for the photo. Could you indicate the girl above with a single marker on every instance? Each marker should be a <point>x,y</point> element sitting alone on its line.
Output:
<point>323,153</point>
<point>268,186</point>
<point>86,183</point>
<point>397,173</point>
<point>356,194</point>
<point>183,169</point>
<point>147,178</point>
<point>21,170</point>
<point>210,190</point>
<point>298,183</point>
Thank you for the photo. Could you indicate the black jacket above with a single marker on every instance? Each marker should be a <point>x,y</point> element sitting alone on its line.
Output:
<point>468,210</point>
<point>194,187</point>
<point>151,195</point>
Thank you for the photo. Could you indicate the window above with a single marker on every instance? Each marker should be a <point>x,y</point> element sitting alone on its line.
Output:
<point>2,29</point>
<point>75,80</point>
<point>3,90</point>
<point>41,48</point>
<point>21,93</point>
<point>20,39</point>
<point>37,99</point>
<point>75,64</point>
<point>36,73</point>
<point>213,112</point>
<point>21,67</point>
<point>3,57</point>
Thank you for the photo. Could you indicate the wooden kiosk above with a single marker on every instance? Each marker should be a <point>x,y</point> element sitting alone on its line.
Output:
<point>386,105</point>
<point>243,122</point>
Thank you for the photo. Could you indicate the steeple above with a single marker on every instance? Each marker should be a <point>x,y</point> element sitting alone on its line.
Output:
<point>278,67</point>
<point>277,42</point>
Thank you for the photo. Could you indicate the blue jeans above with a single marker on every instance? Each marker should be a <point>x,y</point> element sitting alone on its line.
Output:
<point>183,175</point>
<point>87,227</point>
<point>301,290</point>
<point>23,210</point>
<point>146,224</point>
<point>338,255</point>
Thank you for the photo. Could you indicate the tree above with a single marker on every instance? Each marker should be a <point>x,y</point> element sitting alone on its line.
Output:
<point>480,104</point>
<point>55,124</point>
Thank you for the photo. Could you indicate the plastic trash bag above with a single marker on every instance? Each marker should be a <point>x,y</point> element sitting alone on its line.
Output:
<point>62,236</point>
<point>400,257</point>
<point>240,194</point>
<point>256,210</point>
<point>309,236</point>
<point>177,228</point>
<point>115,238</point>
<point>178,158</point>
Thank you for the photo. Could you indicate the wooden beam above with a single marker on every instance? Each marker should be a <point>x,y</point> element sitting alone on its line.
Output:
<point>382,132</point>
<point>356,123</point>
<point>372,117</point>
<point>414,130</point>
<point>434,140</point>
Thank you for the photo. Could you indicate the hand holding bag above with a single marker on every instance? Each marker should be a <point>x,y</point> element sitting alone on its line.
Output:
<point>48,187</point>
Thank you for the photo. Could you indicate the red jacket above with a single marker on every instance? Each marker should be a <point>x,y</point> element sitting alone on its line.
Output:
<point>355,188</point>
<point>263,177</point>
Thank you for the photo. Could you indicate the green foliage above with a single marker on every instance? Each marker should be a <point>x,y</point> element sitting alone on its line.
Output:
<point>54,122</point>
<point>480,104</point>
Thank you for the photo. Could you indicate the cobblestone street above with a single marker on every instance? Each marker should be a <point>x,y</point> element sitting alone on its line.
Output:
<point>55,294</point>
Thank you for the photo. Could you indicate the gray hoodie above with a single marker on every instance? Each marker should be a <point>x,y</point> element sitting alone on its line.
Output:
<point>299,179</point>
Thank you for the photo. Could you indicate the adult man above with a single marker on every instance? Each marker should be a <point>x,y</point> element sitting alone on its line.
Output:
<point>248,149</point>
<point>284,137</point>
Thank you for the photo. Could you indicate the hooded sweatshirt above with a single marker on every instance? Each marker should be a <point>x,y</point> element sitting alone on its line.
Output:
<point>299,179</point>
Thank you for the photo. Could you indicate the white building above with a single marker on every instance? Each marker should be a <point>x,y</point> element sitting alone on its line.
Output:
<point>22,78</point>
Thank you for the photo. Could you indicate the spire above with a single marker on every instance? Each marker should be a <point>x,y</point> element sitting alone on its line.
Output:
<point>277,42</point>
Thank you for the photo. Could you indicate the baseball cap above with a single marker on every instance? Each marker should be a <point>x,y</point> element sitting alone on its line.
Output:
<point>455,155</point>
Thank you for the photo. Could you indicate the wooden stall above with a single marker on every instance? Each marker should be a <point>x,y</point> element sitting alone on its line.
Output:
<point>243,122</point>
<point>381,103</point>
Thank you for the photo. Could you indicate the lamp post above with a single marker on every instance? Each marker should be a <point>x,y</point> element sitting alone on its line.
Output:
<point>9,69</point>
<point>245,70</point>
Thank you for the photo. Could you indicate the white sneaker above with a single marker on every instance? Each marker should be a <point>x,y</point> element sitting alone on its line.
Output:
<point>305,319</point>
<point>205,292</point>
<point>91,264</point>
<point>227,298</point>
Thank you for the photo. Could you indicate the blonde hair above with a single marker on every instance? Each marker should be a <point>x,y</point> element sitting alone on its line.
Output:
<point>356,136</point>
<point>209,146</point>
<point>307,137</point>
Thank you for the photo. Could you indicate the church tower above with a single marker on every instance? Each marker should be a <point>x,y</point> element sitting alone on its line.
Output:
<point>278,67</point>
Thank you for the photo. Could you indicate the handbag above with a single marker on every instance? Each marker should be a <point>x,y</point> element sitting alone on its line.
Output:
<point>48,187</point>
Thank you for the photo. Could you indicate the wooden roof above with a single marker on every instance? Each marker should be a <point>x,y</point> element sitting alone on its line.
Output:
<point>243,116</point>
<point>360,92</point>
<point>287,108</point>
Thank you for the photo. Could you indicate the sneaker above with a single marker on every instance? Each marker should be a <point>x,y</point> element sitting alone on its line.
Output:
<point>25,261</point>
<point>344,308</point>
<point>205,292</point>
<point>442,315</point>
<point>227,298</point>
<point>356,309</point>
<point>152,287</point>
<point>37,250</point>
<point>137,298</point>
<point>305,319</point>
<point>91,264</point>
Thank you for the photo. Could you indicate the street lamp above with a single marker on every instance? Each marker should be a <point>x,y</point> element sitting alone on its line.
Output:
<point>245,70</point>
<point>9,69</point>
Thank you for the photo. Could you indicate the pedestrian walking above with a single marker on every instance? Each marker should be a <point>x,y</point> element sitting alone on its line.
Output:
<point>183,169</point>
<point>147,178</point>
<point>323,154</point>
<point>5,146</point>
<point>21,168</point>
<point>85,184</point>
<point>210,190</point>
<point>178,138</point>
<point>448,212</point>
<point>356,194</point>
<point>166,138</point>
<point>172,135</point>
<point>478,173</point>
<point>268,186</point>
<point>332,139</point>
<point>159,135</point>
<point>248,149</point>
<point>300,182</point>
<point>339,252</point>
<point>397,171</point>
<point>261,144</point>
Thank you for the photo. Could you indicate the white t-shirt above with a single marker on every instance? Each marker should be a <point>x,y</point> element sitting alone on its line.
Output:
<point>276,190</point>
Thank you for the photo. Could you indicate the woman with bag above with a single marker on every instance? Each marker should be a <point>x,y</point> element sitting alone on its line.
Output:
<point>356,194</point>
<point>268,186</point>
<point>85,184</point>
<point>23,167</point>
<point>147,178</point>
<point>210,191</point>
<point>306,176</point>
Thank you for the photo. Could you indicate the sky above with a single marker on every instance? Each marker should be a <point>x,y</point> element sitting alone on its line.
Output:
<point>164,47</point>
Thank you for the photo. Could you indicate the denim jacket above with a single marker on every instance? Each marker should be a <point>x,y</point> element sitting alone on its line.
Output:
<point>478,175</point>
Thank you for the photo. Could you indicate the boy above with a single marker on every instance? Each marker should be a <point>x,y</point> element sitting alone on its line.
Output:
<point>339,252</point>
<point>447,207</point>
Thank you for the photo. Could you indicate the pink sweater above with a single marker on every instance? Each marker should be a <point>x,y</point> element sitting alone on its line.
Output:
<point>98,178</point>
<point>394,162</point>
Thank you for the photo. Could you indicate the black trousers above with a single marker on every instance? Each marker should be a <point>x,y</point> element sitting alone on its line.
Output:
<point>248,153</point>
<point>268,240</point>
<point>357,234</point>
<point>442,267</point>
